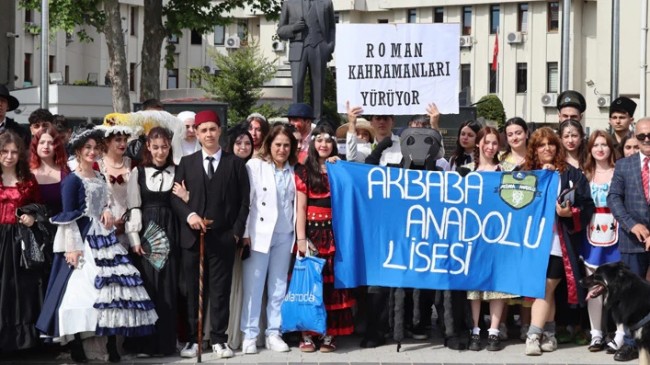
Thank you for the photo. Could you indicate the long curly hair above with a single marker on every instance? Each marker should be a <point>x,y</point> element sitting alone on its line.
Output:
<point>459,151</point>
<point>590,163</point>
<point>536,139</point>
<point>582,150</point>
<point>60,156</point>
<point>22,167</point>
<point>484,132</point>
<point>317,181</point>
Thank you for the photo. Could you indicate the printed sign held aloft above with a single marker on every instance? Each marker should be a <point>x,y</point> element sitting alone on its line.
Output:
<point>397,68</point>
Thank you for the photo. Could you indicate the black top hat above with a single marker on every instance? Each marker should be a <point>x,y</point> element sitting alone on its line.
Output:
<point>571,98</point>
<point>300,110</point>
<point>13,102</point>
<point>622,104</point>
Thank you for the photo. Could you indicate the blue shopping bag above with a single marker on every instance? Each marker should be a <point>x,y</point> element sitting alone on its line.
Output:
<point>303,308</point>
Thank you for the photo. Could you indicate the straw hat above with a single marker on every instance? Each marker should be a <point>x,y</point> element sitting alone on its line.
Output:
<point>361,124</point>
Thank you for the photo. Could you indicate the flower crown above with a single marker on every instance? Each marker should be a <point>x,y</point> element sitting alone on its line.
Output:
<point>321,135</point>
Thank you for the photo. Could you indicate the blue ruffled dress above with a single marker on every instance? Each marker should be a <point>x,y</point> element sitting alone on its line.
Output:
<point>104,295</point>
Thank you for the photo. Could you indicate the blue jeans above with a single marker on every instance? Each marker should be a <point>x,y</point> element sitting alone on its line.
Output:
<point>268,270</point>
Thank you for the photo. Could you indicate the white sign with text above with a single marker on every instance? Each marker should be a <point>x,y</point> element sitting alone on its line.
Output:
<point>397,69</point>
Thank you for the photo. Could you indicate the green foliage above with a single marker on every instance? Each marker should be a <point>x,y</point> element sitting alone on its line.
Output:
<point>330,112</point>
<point>69,15</point>
<point>239,83</point>
<point>490,107</point>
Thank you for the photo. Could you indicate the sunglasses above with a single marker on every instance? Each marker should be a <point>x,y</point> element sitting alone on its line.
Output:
<point>642,136</point>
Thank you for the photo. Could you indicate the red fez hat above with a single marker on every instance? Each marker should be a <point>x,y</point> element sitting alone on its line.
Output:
<point>206,116</point>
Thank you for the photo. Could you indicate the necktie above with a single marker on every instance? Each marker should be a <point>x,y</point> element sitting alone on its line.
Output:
<point>210,167</point>
<point>645,177</point>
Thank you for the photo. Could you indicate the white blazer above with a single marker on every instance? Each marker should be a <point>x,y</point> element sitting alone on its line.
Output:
<point>263,213</point>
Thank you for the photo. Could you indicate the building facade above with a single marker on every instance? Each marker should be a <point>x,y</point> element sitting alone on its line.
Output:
<point>527,76</point>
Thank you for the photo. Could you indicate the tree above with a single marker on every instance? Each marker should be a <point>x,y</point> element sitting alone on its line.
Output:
<point>198,15</point>
<point>490,107</point>
<point>239,82</point>
<point>104,16</point>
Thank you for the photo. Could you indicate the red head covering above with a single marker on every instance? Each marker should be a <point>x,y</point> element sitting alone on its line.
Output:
<point>206,116</point>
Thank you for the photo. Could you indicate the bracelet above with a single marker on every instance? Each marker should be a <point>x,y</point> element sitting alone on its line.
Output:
<point>302,239</point>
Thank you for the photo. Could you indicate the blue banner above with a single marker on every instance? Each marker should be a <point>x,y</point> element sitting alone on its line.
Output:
<point>438,230</point>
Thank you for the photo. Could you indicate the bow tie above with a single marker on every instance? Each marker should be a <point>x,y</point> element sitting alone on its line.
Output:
<point>116,179</point>
<point>158,172</point>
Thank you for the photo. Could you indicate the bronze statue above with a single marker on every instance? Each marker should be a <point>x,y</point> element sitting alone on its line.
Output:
<point>310,28</point>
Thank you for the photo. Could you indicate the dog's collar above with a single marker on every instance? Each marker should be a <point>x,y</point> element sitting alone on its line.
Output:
<point>645,320</point>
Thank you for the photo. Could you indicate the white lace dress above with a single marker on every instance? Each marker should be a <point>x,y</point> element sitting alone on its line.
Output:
<point>117,186</point>
<point>104,295</point>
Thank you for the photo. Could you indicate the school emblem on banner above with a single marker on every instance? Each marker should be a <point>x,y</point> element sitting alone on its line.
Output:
<point>518,189</point>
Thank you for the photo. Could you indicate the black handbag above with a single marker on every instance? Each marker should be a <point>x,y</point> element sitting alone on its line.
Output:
<point>31,252</point>
<point>32,255</point>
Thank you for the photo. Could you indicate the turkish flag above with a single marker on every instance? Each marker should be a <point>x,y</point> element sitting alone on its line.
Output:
<point>495,54</point>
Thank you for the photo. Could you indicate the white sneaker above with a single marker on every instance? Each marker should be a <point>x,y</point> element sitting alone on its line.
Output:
<point>532,345</point>
<point>189,350</point>
<point>275,343</point>
<point>222,350</point>
<point>549,343</point>
<point>249,346</point>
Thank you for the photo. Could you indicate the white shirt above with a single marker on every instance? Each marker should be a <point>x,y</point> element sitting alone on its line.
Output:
<point>215,162</point>
<point>355,150</point>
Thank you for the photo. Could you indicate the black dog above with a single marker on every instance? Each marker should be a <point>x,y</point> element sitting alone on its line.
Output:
<point>627,297</point>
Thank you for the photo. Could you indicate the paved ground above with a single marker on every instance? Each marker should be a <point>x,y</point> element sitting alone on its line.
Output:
<point>348,353</point>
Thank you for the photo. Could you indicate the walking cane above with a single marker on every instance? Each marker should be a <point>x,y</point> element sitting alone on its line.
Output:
<point>207,224</point>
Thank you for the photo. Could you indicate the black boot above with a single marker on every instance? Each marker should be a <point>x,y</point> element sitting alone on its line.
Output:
<point>77,350</point>
<point>111,346</point>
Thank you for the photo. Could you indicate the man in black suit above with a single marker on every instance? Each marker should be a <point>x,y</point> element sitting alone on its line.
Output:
<point>218,188</point>
<point>7,104</point>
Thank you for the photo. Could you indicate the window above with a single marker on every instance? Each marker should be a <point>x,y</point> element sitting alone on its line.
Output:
<point>172,39</point>
<point>219,35</point>
<point>438,15</point>
<point>493,79</point>
<point>29,16</point>
<point>411,16</point>
<point>52,65</point>
<point>195,78</point>
<point>553,15</point>
<point>522,17</point>
<point>465,76</point>
<point>134,21</point>
<point>196,38</point>
<point>382,21</point>
<point>552,77</point>
<point>172,78</point>
<point>131,76</point>
<point>522,77</point>
<point>27,71</point>
<point>337,17</point>
<point>467,20</point>
<point>67,74</point>
<point>242,31</point>
<point>494,18</point>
